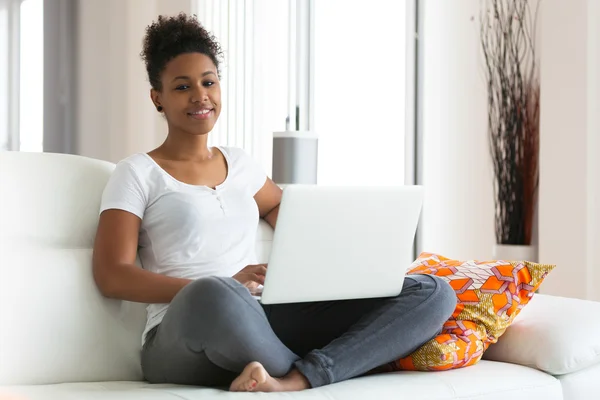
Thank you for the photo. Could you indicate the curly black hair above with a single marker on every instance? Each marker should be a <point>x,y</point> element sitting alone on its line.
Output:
<point>169,37</point>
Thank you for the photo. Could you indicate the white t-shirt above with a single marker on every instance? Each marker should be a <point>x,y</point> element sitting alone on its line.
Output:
<point>189,231</point>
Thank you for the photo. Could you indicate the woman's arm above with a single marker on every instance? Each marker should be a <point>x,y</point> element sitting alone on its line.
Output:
<point>114,269</point>
<point>268,199</point>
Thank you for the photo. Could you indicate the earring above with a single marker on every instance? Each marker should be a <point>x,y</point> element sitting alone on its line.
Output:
<point>159,108</point>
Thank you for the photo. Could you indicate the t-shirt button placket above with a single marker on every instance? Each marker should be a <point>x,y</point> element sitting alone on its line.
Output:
<point>220,200</point>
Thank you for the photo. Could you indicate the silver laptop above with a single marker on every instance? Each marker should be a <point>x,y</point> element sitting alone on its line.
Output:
<point>337,243</point>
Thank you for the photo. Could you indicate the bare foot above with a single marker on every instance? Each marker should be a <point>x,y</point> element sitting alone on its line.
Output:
<point>255,378</point>
<point>253,375</point>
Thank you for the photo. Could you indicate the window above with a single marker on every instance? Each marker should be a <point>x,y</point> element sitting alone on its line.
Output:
<point>31,76</point>
<point>21,77</point>
<point>360,91</point>
<point>253,36</point>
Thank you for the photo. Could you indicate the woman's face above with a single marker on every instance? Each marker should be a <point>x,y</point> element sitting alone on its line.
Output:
<point>191,94</point>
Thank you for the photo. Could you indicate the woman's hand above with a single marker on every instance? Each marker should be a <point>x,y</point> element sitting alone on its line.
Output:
<point>252,276</point>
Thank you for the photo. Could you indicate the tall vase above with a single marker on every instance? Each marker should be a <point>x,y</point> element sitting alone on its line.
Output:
<point>513,252</point>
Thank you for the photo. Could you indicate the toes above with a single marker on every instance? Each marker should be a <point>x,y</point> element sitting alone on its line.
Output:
<point>251,385</point>
<point>251,378</point>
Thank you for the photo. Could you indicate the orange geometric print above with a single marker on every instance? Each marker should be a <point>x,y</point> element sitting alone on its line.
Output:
<point>468,297</point>
<point>490,295</point>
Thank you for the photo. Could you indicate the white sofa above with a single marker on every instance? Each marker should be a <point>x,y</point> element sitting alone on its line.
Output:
<point>60,339</point>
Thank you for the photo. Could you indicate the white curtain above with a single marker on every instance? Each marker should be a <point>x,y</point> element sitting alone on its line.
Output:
<point>254,37</point>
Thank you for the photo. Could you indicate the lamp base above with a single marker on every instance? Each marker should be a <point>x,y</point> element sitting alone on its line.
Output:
<point>295,156</point>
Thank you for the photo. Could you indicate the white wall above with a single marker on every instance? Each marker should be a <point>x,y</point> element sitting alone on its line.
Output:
<point>570,172</point>
<point>115,117</point>
<point>458,213</point>
<point>593,151</point>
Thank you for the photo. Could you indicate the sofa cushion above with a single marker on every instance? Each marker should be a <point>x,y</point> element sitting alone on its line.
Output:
<point>50,199</point>
<point>554,334</point>
<point>583,384</point>
<point>490,295</point>
<point>57,327</point>
<point>485,381</point>
<point>264,240</point>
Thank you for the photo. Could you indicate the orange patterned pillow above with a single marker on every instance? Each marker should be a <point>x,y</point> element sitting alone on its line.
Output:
<point>490,295</point>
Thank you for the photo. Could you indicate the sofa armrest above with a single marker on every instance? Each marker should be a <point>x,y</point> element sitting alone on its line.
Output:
<point>554,334</point>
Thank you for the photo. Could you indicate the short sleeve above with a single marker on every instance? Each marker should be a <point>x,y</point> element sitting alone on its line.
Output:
<point>253,172</point>
<point>124,191</point>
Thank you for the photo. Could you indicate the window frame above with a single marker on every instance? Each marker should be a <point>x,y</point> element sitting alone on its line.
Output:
<point>11,140</point>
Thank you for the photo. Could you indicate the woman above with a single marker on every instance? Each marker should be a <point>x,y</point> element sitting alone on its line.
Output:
<point>191,213</point>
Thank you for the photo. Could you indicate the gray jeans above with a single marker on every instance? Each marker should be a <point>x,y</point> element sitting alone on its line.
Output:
<point>214,328</point>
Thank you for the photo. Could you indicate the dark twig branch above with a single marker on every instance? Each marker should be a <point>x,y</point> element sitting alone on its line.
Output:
<point>507,41</point>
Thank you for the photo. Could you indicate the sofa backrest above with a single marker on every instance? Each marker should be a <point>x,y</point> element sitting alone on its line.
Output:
<point>55,326</point>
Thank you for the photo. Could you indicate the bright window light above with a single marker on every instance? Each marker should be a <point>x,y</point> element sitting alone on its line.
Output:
<point>360,91</point>
<point>31,93</point>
